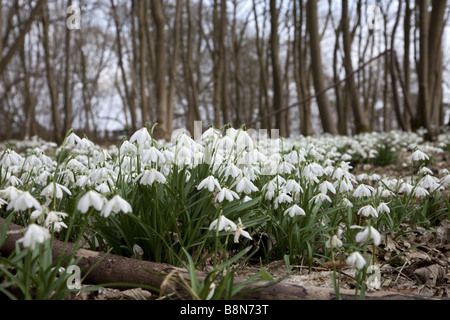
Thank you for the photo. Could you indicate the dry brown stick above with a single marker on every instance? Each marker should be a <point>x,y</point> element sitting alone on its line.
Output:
<point>117,269</point>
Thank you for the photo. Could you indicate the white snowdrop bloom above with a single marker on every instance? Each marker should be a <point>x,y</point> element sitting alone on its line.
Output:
<point>72,140</point>
<point>225,144</point>
<point>10,193</point>
<point>232,170</point>
<point>333,242</point>
<point>2,202</point>
<point>269,195</point>
<point>239,231</point>
<point>75,165</point>
<point>338,174</point>
<point>128,149</point>
<point>36,214</point>
<point>209,183</point>
<point>91,198</point>
<point>225,193</point>
<point>141,136</point>
<point>363,177</point>
<point>363,191</point>
<point>343,185</point>
<point>425,171</point>
<point>54,218</point>
<point>320,198</point>
<point>223,224</point>
<point>183,156</point>
<point>23,202</point>
<point>282,198</point>
<point>85,145</point>
<point>312,170</point>
<point>292,157</point>
<point>418,156</point>
<point>368,211</point>
<point>374,277</point>
<point>34,234</point>
<point>42,178</point>
<point>153,155</point>
<point>444,172</point>
<point>429,182</point>
<point>405,188</point>
<point>420,192</point>
<point>115,205</point>
<point>293,186</point>
<point>32,162</point>
<point>14,181</point>
<point>374,177</point>
<point>9,158</point>
<point>355,259</point>
<point>82,181</point>
<point>54,189</point>
<point>211,135</point>
<point>346,203</point>
<point>368,233</point>
<point>445,180</point>
<point>103,188</point>
<point>245,185</point>
<point>294,210</point>
<point>325,186</point>
<point>328,170</point>
<point>246,199</point>
<point>285,167</point>
<point>148,177</point>
<point>346,157</point>
<point>383,208</point>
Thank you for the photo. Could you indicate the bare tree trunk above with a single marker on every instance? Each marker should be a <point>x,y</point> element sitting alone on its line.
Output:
<point>160,131</point>
<point>51,80</point>
<point>67,93</point>
<point>361,120</point>
<point>316,63</point>
<point>142,59</point>
<point>278,94</point>
<point>129,97</point>
<point>406,62</point>
<point>173,66</point>
<point>218,68</point>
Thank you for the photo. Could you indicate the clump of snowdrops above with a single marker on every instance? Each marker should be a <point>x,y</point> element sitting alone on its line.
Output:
<point>190,202</point>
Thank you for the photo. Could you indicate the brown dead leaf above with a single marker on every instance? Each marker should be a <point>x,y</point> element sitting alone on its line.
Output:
<point>430,275</point>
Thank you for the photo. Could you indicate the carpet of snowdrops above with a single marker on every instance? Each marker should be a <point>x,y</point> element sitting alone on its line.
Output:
<point>296,200</point>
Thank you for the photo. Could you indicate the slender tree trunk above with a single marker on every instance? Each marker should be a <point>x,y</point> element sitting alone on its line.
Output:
<point>142,60</point>
<point>278,94</point>
<point>316,63</point>
<point>218,68</point>
<point>223,53</point>
<point>406,61</point>
<point>51,80</point>
<point>67,80</point>
<point>361,120</point>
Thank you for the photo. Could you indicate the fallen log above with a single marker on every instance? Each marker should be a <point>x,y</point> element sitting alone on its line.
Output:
<point>117,269</point>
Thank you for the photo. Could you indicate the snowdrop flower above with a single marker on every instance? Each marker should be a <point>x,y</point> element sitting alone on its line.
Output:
<point>240,232</point>
<point>420,192</point>
<point>368,211</point>
<point>285,167</point>
<point>34,235</point>
<point>212,288</point>
<point>445,180</point>
<point>374,280</point>
<point>292,186</point>
<point>418,156</point>
<point>232,170</point>
<point>209,183</point>
<point>343,185</point>
<point>355,259</point>
<point>282,198</point>
<point>14,181</point>
<point>333,242</point>
<point>383,208</point>
<point>246,199</point>
<point>325,186</point>
<point>103,188</point>
<point>338,174</point>
<point>2,202</point>
<point>90,198</point>
<point>55,218</point>
<point>346,203</point>
<point>149,176</point>
<point>153,155</point>
<point>226,193</point>
<point>141,137</point>
<point>320,198</point>
<point>363,191</point>
<point>429,182</point>
<point>294,210</point>
<point>223,224</point>
<point>406,188</point>
<point>128,149</point>
<point>115,205</point>
<point>72,140</point>
<point>10,193</point>
<point>9,158</point>
<point>23,202</point>
<point>54,189</point>
<point>245,185</point>
<point>368,233</point>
